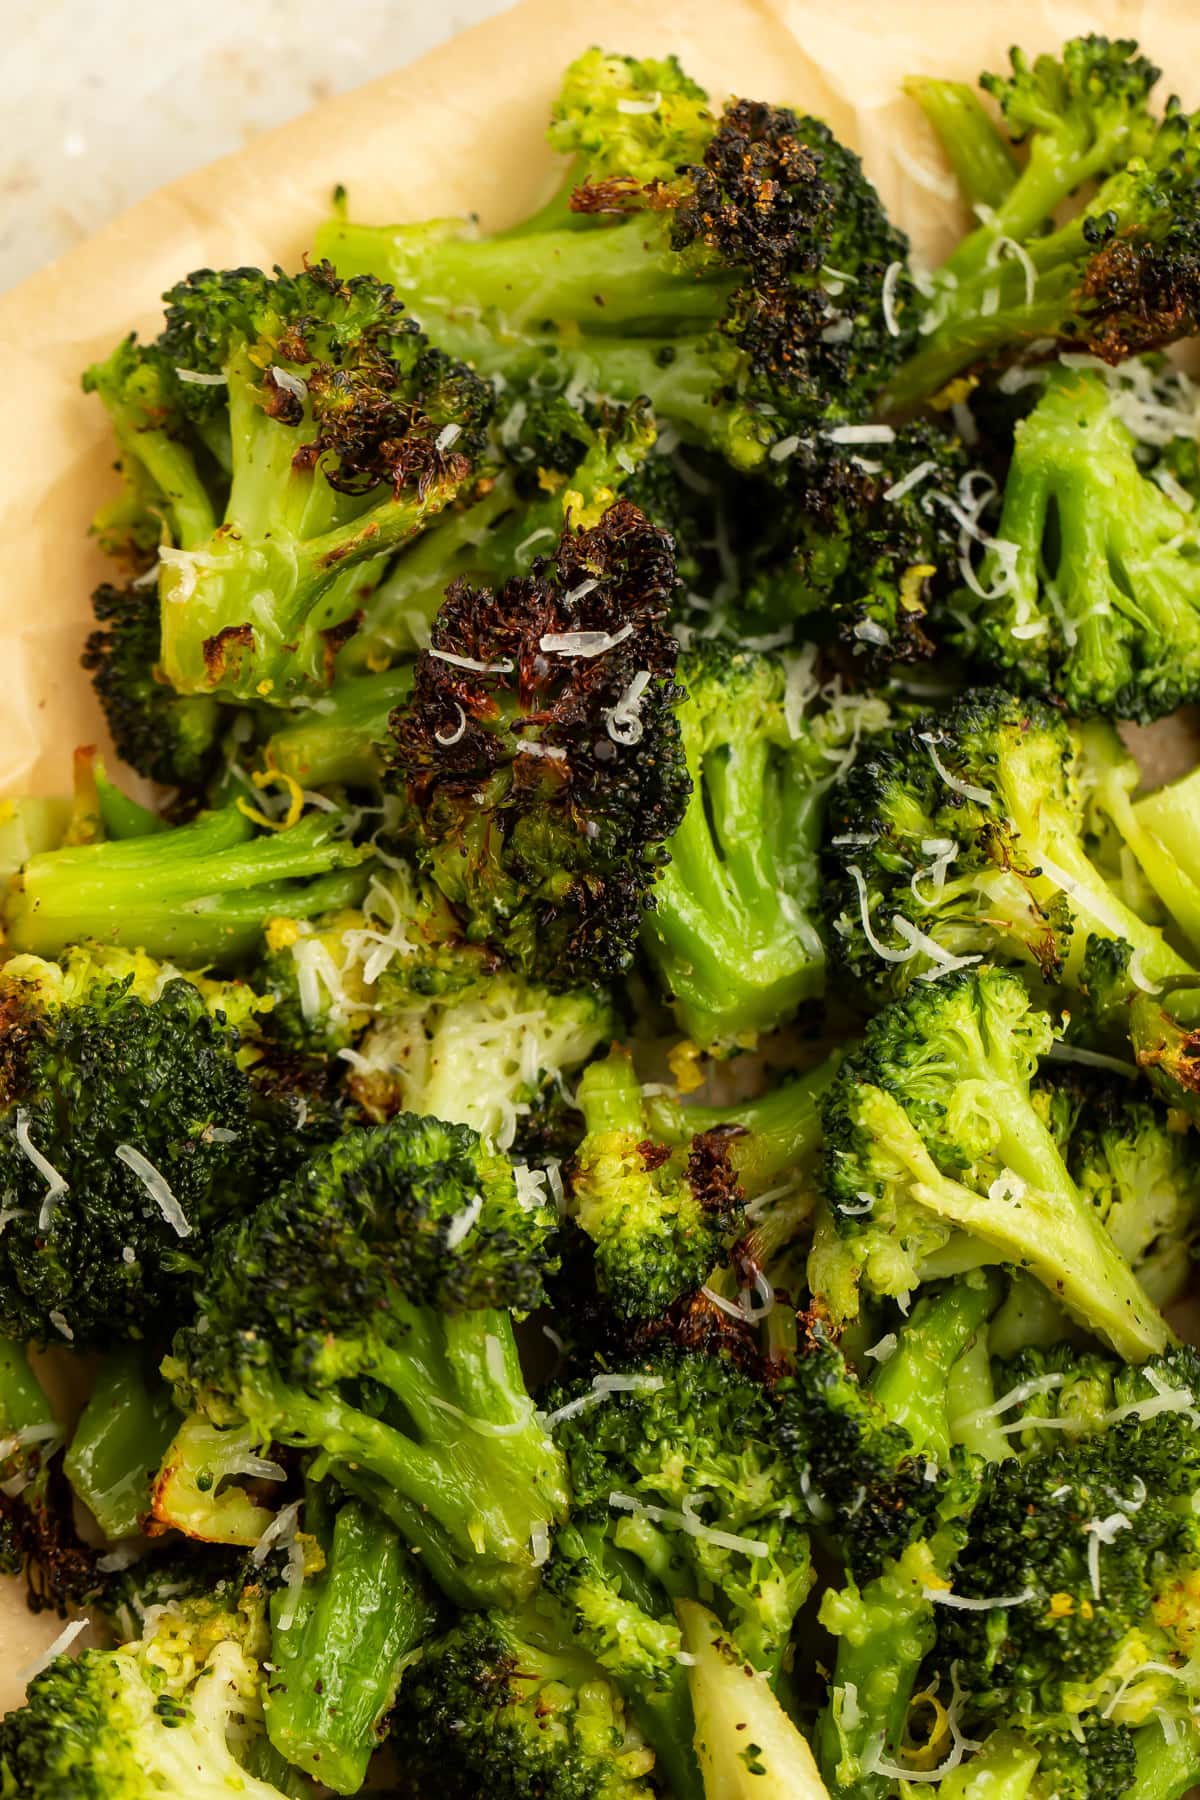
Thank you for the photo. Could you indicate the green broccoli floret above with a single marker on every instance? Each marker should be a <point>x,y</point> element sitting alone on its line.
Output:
<point>930,1129</point>
<point>198,893</point>
<point>660,1218</point>
<point>539,758</point>
<point>681,1488</point>
<point>323,434</point>
<point>1089,592</point>
<point>380,1283</point>
<point>119,1441</point>
<point>878,1451</point>
<point>161,1715</point>
<point>1138,1165</point>
<point>127,1124</point>
<point>340,1640</point>
<point>965,836</point>
<point>731,934</point>
<point>753,289</point>
<point>512,1703</point>
<point>1119,276</point>
<point>867,539</point>
<point>37,1530</point>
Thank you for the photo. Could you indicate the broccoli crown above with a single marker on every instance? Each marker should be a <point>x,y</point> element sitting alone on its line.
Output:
<point>125,1128</point>
<point>1055,602</point>
<point>963,836</point>
<point>660,1217</point>
<point>601,118</point>
<point>680,1473</point>
<point>1091,1537</point>
<point>1090,102</point>
<point>504,1700</point>
<point>731,935</point>
<point>332,434</point>
<point>165,736</point>
<point>875,545</point>
<point>539,755</point>
<point>149,1718</point>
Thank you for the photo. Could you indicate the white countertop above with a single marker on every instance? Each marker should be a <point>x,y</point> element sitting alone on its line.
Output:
<point>102,103</point>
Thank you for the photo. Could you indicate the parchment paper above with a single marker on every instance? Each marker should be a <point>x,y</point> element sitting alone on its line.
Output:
<point>460,131</point>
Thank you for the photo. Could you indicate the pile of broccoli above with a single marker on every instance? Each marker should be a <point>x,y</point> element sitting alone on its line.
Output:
<point>615,1146</point>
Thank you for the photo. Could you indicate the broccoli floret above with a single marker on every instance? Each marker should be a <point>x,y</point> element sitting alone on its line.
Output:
<point>660,1218</point>
<point>963,836</point>
<point>509,1702</point>
<point>1089,593</point>
<point>37,1529</point>
<point>742,291</point>
<point>127,1123</point>
<point>1118,277</point>
<point>120,1440</point>
<point>930,1128</point>
<point>379,1283</point>
<point>878,1451</point>
<point>731,933</point>
<point>1138,1166</point>
<point>334,434</point>
<point>681,1488</point>
<point>539,756</point>
<point>168,737</point>
<point>340,1639</point>
<point>157,1716</point>
<point>1165,1030</point>
<point>198,893</point>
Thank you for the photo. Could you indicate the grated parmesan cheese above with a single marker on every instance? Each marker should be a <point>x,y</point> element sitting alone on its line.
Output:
<point>157,1186</point>
<point>56,1185</point>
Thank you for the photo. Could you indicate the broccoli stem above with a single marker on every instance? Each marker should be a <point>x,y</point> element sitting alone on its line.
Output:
<point>609,1096</point>
<point>780,1131</point>
<point>1049,1229</point>
<point>469,1478</point>
<point>197,894</point>
<point>977,151</point>
<point>1166,1768</point>
<point>338,743</point>
<point>911,1385</point>
<point>1003,1770</point>
<point>23,1404</point>
<point>337,1647</point>
<point>969,1398</point>
<point>1161,831</point>
<point>120,1440</point>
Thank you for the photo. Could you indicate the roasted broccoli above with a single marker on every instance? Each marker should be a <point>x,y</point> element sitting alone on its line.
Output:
<point>119,1441</point>
<point>37,1530</point>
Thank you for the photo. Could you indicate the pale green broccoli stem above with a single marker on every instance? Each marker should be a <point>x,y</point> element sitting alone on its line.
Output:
<point>339,742</point>
<point>609,1095</point>
<point>133,400</point>
<point>23,1405</point>
<point>122,1436</point>
<point>781,1130</point>
<point>1166,1768</point>
<point>977,150</point>
<point>970,1397</point>
<point>911,1386</point>
<point>1161,830</point>
<point>1003,1770</point>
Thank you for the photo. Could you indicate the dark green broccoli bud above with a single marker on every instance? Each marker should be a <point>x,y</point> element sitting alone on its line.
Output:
<point>37,1529</point>
<point>126,1128</point>
<point>661,1219</point>
<point>1122,274</point>
<point>1053,605</point>
<point>199,893</point>
<point>156,1716</point>
<point>731,934</point>
<point>339,1641</point>
<point>930,1128</point>
<point>681,1487</point>
<point>168,737</point>
<point>1138,1166</point>
<point>380,1282</point>
<point>120,1440</point>
<point>511,1702</point>
<point>336,434</point>
<point>539,756</point>
<point>869,540</point>
<point>877,1452</point>
<point>964,836</point>
<point>754,292</point>
<point>977,150</point>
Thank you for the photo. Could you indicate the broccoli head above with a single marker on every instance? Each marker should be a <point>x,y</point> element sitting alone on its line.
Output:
<point>380,1281</point>
<point>539,756</point>
<point>300,429</point>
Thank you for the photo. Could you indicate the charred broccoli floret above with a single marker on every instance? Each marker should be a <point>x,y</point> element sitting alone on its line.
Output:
<point>539,756</point>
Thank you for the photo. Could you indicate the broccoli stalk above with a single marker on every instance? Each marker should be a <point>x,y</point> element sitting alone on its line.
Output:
<point>198,892</point>
<point>119,1442</point>
<point>339,1644</point>
<point>379,1280</point>
<point>1166,1768</point>
<point>1165,1029</point>
<point>1160,829</point>
<point>978,152</point>
<point>930,1127</point>
<point>775,1134</point>
<point>341,743</point>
